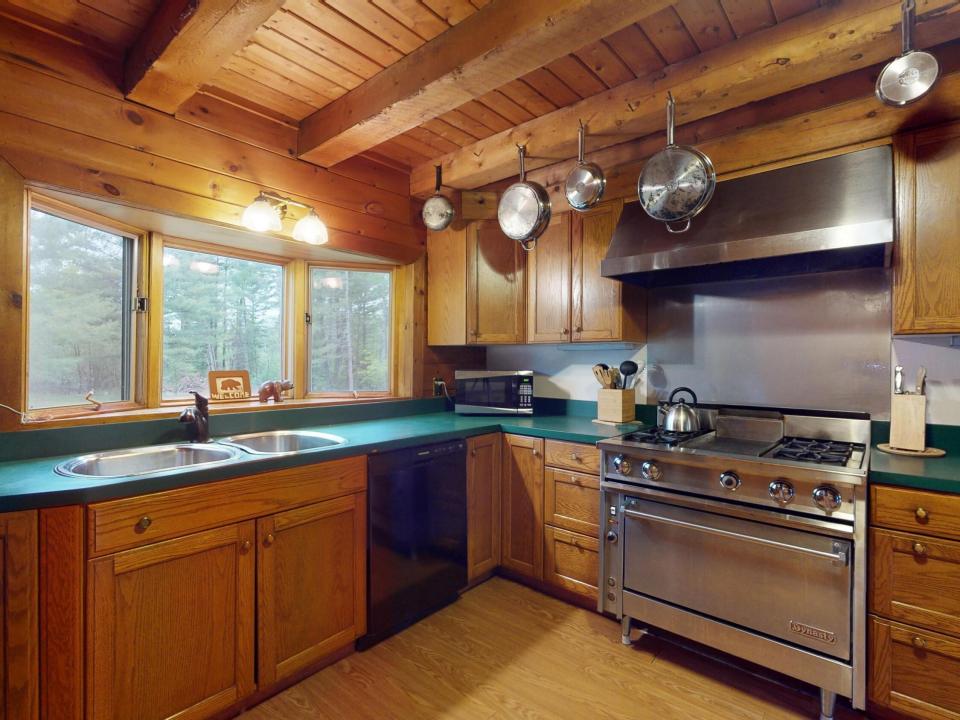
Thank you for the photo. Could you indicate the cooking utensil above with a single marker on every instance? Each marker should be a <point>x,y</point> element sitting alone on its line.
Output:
<point>676,183</point>
<point>909,77</point>
<point>628,368</point>
<point>438,211</point>
<point>898,380</point>
<point>598,374</point>
<point>586,182</point>
<point>524,209</point>
<point>681,417</point>
<point>921,380</point>
<point>614,379</point>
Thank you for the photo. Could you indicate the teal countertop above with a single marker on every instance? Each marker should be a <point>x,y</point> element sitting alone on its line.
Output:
<point>32,483</point>
<point>942,474</point>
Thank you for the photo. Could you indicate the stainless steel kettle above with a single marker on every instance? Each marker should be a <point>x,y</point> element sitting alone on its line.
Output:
<point>680,417</point>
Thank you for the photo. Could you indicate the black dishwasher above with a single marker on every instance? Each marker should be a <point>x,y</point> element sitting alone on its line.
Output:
<point>417,528</point>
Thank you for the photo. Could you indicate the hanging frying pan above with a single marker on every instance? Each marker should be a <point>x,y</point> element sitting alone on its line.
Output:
<point>586,182</point>
<point>677,182</point>
<point>910,76</point>
<point>524,210</point>
<point>437,211</point>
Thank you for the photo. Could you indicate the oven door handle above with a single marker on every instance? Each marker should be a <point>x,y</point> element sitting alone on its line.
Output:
<point>840,557</point>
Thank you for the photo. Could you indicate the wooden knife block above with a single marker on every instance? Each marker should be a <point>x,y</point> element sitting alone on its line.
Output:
<point>908,422</point>
<point>617,406</point>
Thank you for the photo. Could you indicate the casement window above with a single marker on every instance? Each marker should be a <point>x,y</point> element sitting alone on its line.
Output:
<point>220,312</point>
<point>349,332</point>
<point>82,278</point>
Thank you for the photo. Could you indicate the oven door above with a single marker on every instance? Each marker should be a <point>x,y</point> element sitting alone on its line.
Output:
<point>784,583</point>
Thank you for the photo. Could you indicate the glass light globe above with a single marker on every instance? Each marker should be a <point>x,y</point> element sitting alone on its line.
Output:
<point>310,229</point>
<point>261,216</point>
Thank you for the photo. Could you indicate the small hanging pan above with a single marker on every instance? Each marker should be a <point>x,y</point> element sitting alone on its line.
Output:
<point>910,76</point>
<point>677,182</point>
<point>524,210</point>
<point>585,183</point>
<point>438,211</point>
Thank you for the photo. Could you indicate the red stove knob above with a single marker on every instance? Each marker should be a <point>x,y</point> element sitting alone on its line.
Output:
<point>827,498</point>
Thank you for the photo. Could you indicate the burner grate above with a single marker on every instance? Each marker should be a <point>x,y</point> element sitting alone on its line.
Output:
<point>659,436</point>
<point>821,452</point>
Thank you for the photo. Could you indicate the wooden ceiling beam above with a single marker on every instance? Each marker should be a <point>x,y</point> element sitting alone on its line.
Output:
<point>805,50</point>
<point>185,43</point>
<point>503,41</point>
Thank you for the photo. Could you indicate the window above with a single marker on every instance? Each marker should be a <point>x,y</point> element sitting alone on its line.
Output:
<point>219,313</point>
<point>82,284</point>
<point>349,331</point>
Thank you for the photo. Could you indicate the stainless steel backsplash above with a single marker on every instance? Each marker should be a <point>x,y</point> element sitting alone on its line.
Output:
<point>818,341</point>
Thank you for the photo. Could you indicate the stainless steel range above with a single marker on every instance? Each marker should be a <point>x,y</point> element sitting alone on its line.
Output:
<point>748,535</point>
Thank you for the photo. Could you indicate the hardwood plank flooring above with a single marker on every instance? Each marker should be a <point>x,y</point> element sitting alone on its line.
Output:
<point>504,651</point>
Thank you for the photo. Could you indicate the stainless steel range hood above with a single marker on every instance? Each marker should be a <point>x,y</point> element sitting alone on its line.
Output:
<point>823,215</point>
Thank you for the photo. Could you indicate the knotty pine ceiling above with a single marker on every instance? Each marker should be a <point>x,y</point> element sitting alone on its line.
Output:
<point>311,52</point>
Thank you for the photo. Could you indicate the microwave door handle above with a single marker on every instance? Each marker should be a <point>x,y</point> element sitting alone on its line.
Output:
<point>840,557</point>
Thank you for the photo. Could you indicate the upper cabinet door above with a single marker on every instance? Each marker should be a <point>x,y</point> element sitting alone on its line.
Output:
<point>548,284</point>
<point>926,282</point>
<point>495,286</point>
<point>603,309</point>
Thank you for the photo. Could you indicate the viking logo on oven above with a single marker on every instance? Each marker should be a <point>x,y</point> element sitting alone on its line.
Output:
<point>812,632</point>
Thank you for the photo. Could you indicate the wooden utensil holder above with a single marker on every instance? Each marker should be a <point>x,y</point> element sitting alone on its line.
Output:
<point>908,422</point>
<point>617,406</point>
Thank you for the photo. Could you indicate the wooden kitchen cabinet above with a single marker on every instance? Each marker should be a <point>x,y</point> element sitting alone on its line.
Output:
<point>496,300</point>
<point>483,505</point>
<point>571,561</point>
<point>171,627</point>
<point>19,632</point>
<point>311,584</point>
<point>926,293</point>
<point>548,284</point>
<point>521,481</point>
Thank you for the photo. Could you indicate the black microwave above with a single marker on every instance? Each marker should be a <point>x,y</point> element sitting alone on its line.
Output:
<point>494,392</point>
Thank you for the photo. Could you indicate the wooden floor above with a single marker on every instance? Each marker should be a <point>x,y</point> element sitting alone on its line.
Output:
<point>504,651</point>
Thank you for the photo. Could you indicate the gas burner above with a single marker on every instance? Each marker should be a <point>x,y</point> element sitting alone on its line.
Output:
<point>659,436</point>
<point>821,452</point>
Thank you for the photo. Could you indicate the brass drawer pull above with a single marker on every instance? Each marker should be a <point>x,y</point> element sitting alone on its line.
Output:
<point>575,457</point>
<point>245,546</point>
<point>919,643</point>
<point>921,514</point>
<point>919,549</point>
<point>144,522</point>
<point>268,540</point>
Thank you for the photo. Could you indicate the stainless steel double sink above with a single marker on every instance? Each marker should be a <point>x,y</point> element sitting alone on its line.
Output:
<point>155,459</point>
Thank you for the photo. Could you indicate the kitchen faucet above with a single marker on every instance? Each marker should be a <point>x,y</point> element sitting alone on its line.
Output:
<point>198,418</point>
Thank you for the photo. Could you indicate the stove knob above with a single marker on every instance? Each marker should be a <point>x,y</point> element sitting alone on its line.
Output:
<point>782,491</point>
<point>730,480</point>
<point>828,498</point>
<point>650,471</point>
<point>612,536</point>
<point>622,465</point>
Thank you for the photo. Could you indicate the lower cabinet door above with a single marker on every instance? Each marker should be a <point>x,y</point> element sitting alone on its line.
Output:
<point>483,505</point>
<point>311,584</point>
<point>521,503</point>
<point>171,627</point>
<point>914,671</point>
<point>571,561</point>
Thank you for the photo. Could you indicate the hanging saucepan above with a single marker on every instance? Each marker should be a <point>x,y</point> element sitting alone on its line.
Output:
<point>585,183</point>
<point>677,182</point>
<point>910,76</point>
<point>524,210</point>
<point>438,211</point>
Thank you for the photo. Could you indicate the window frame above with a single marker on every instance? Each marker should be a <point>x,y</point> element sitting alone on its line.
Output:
<point>136,275</point>
<point>287,307</point>
<point>390,392</point>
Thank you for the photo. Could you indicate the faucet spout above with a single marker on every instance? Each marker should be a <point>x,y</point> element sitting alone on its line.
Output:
<point>198,418</point>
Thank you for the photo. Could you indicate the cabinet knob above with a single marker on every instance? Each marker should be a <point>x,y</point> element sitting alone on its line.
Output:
<point>919,643</point>
<point>575,457</point>
<point>144,522</point>
<point>579,328</point>
<point>921,514</point>
<point>245,546</point>
<point>564,332</point>
<point>919,549</point>
<point>473,452</point>
<point>268,540</point>
<point>536,453</point>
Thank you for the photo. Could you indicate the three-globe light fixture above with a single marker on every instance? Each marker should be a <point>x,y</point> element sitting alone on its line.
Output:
<point>267,211</point>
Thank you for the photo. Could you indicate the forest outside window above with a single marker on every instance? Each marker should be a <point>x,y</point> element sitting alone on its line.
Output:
<point>350,319</point>
<point>82,283</point>
<point>219,313</point>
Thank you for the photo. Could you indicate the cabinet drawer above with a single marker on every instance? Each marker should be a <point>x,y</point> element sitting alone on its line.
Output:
<point>572,456</point>
<point>914,671</point>
<point>572,501</point>
<point>571,561</point>
<point>132,522</point>
<point>915,580</point>
<point>919,511</point>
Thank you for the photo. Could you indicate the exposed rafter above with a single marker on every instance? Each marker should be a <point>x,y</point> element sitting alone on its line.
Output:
<point>185,44</point>
<point>808,49</point>
<point>501,42</point>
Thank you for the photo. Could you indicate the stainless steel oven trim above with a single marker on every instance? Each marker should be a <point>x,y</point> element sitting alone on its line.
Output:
<point>841,557</point>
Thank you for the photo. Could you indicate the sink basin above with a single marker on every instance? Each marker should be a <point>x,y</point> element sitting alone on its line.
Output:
<point>146,460</point>
<point>283,442</point>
